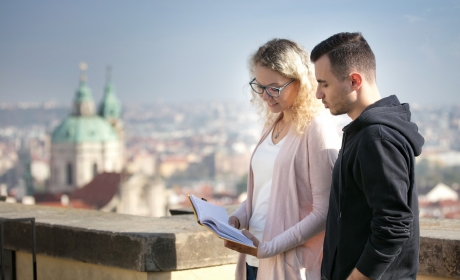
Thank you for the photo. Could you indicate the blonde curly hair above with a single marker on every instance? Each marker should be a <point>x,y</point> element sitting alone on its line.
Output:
<point>292,61</point>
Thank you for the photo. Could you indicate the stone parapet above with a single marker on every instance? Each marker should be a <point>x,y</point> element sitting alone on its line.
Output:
<point>440,248</point>
<point>143,244</point>
<point>124,241</point>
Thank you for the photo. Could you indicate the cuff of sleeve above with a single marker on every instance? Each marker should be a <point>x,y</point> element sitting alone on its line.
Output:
<point>266,250</point>
<point>373,263</point>
<point>261,250</point>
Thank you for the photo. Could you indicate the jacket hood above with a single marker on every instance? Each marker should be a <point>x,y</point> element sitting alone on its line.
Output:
<point>390,112</point>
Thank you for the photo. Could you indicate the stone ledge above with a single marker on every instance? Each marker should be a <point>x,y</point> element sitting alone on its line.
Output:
<point>440,248</point>
<point>173,243</point>
<point>124,241</point>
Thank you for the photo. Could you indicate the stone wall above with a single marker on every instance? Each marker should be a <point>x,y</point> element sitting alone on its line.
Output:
<point>440,248</point>
<point>152,248</point>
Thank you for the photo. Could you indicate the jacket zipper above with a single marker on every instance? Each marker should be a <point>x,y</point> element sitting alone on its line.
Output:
<point>340,175</point>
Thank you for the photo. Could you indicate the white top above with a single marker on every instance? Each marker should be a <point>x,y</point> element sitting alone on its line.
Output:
<point>262,164</point>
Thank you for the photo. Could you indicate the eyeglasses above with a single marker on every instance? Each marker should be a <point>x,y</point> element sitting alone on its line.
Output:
<point>272,91</point>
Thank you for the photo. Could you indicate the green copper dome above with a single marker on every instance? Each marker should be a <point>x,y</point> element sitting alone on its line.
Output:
<point>83,93</point>
<point>79,129</point>
<point>110,107</point>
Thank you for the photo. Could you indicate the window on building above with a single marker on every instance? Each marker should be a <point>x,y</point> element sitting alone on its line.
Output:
<point>69,174</point>
<point>94,169</point>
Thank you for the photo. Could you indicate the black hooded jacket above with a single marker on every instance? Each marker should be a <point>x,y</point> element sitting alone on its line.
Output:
<point>372,223</point>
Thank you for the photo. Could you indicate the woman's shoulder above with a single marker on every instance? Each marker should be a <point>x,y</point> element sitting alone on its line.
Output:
<point>322,120</point>
<point>323,129</point>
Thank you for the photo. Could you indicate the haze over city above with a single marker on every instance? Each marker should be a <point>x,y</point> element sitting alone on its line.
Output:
<point>198,50</point>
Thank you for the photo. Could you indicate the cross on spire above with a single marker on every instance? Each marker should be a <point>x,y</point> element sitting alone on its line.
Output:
<point>83,68</point>
<point>109,73</point>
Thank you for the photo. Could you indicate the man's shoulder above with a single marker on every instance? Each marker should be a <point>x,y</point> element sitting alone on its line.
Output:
<point>369,133</point>
<point>379,132</point>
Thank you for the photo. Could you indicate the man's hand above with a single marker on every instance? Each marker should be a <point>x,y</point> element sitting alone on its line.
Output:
<point>241,248</point>
<point>356,275</point>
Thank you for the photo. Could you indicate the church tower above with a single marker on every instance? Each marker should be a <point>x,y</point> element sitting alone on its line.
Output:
<point>110,108</point>
<point>84,144</point>
<point>83,104</point>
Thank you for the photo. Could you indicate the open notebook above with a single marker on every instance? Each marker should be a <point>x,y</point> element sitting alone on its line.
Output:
<point>215,219</point>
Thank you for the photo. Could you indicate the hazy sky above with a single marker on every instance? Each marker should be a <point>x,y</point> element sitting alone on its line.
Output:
<point>198,50</point>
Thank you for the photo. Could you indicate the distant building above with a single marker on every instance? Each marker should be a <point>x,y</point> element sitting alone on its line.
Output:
<point>229,163</point>
<point>86,144</point>
<point>441,192</point>
<point>440,202</point>
<point>142,162</point>
<point>133,194</point>
<point>141,195</point>
<point>40,170</point>
<point>172,164</point>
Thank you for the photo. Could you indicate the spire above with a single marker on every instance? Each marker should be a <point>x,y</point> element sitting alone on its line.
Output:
<point>108,74</point>
<point>83,103</point>
<point>83,68</point>
<point>110,107</point>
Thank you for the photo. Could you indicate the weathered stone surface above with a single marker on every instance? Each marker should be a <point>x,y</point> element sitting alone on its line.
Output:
<point>172,243</point>
<point>125,241</point>
<point>440,248</point>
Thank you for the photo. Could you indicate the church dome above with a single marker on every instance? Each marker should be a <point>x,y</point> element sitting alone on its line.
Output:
<point>79,129</point>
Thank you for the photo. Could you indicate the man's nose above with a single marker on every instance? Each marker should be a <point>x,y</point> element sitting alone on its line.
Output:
<point>319,94</point>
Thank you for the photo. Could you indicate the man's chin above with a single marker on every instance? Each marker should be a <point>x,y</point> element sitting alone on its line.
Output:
<point>336,112</point>
<point>333,112</point>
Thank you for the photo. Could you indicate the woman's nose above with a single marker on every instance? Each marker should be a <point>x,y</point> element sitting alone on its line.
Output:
<point>265,95</point>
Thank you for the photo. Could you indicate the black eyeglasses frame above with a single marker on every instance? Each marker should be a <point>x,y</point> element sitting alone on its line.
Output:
<point>264,88</point>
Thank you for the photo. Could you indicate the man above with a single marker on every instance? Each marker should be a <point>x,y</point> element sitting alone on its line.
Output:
<point>372,229</point>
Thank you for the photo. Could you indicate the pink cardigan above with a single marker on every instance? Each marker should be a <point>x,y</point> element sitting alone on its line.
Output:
<point>292,243</point>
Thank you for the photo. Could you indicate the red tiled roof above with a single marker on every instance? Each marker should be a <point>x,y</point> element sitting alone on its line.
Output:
<point>42,198</point>
<point>99,191</point>
<point>454,215</point>
<point>77,203</point>
<point>444,203</point>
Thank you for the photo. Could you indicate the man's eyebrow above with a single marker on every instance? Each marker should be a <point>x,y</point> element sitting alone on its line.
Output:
<point>321,81</point>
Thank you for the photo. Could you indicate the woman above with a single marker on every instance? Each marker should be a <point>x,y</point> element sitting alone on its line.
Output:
<point>290,171</point>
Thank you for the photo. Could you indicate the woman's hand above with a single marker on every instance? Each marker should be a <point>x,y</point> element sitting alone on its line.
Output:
<point>234,222</point>
<point>242,248</point>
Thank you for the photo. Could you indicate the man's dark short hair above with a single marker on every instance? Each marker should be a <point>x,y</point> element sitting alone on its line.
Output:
<point>347,52</point>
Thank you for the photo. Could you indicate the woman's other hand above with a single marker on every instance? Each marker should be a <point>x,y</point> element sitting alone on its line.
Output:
<point>249,235</point>
<point>242,248</point>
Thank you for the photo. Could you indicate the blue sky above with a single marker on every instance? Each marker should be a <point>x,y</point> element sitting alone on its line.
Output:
<point>198,50</point>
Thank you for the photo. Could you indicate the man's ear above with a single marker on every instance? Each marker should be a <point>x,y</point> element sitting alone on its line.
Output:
<point>356,80</point>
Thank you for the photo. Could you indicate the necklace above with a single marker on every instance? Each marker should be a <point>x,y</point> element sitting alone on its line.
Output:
<point>279,131</point>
